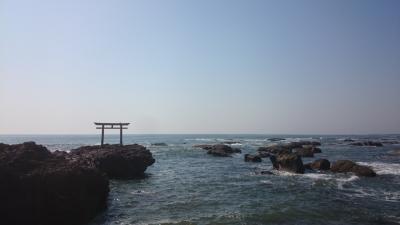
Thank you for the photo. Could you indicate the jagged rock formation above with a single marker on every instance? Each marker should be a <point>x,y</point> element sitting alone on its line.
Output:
<point>38,187</point>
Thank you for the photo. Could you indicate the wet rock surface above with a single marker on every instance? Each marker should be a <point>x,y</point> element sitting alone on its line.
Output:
<point>345,166</point>
<point>274,149</point>
<point>287,148</point>
<point>304,152</point>
<point>288,162</point>
<point>319,164</point>
<point>252,158</point>
<point>307,151</point>
<point>222,150</point>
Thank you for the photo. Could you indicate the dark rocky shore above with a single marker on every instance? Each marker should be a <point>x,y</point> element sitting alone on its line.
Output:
<point>40,187</point>
<point>288,157</point>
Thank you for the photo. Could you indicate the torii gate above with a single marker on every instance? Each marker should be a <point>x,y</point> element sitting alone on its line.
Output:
<point>119,126</point>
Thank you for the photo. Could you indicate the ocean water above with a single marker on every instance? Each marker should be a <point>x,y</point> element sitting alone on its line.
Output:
<point>187,186</point>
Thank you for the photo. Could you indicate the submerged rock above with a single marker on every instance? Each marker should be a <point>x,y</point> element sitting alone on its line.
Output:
<point>345,166</point>
<point>37,187</point>
<point>230,142</point>
<point>203,146</point>
<point>288,162</point>
<point>161,144</point>
<point>223,150</point>
<point>252,158</point>
<point>276,139</point>
<point>120,162</point>
<point>266,172</point>
<point>348,140</point>
<point>395,152</point>
<point>368,143</point>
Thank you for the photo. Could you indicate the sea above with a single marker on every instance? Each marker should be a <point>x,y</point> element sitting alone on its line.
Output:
<point>187,186</point>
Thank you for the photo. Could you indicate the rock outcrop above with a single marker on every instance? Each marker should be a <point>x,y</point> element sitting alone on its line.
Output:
<point>37,187</point>
<point>289,147</point>
<point>274,149</point>
<point>118,162</point>
<point>345,166</point>
<point>320,164</point>
<point>307,151</point>
<point>42,188</point>
<point>252,158</point>
<point>288,162</point>
<point>223,150</point>
<point>304,152</point>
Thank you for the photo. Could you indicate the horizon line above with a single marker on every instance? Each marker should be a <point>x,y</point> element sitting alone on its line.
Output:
<point>274,134</point>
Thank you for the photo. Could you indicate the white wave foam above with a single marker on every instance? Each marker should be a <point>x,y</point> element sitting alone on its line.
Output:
<point>201,139</point>
<point>362,192</point>
<point>236,144</point>
<point>266,182</point>
<point>141,192</point>
<point>392,196</point>
<point>383,168</point>
<point>342,181</point>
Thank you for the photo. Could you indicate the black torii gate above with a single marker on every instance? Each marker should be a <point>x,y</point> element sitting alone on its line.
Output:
<point>120,126</point>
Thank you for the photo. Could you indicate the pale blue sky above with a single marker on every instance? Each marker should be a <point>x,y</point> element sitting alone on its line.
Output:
<point>288,67</point>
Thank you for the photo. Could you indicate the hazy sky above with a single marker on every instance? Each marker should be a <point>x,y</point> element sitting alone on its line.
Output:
<point>215,66</point>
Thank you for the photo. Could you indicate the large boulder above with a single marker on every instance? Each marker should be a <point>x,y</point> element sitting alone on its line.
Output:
<point>288,162</point>
<point>39,188</point>
<point>307,151</point>
<point>252,158</point>
<point>320,164</point>
<point>304,152</point>
<point>119,162</point>
<point>222,150</point>
<point>345,166</point>
<point>264,154</point>
<point>274,149</point>
<point>316,150</point>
